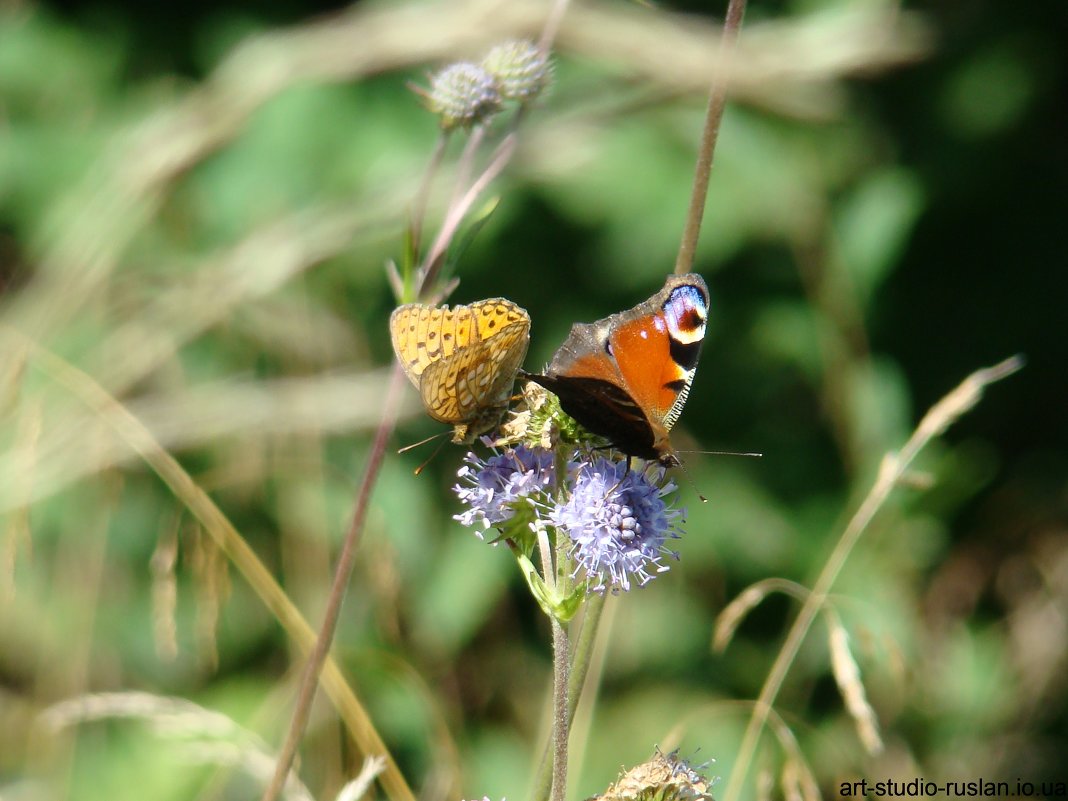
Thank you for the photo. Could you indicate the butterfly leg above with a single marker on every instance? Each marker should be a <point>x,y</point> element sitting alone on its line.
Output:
<point>621,478</point>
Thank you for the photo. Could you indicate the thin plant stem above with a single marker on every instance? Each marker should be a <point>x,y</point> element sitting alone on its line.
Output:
<point>587,672</point>
<point>422,196</point>
<point>466,162</point>
<point>545,552</point>
<point>561,712</point>
<point>552,25</point>
<point>934,423</point>
<point>436,255</point>
<point>310,679</point>
<point>562,579</point>
<point>717,101</point>
<point>580,665</point>
<point>580,661</point>
<point>562,709</point>
<point>141,441</point>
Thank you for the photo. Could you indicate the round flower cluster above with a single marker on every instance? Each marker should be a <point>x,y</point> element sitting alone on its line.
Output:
<point>464,94</point>
<point>615,517</point>
<point>494,489</point>
<point>618,521</point>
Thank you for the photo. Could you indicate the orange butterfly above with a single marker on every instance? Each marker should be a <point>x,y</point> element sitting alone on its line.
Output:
<point>626,377</point>
<point>462,360</point>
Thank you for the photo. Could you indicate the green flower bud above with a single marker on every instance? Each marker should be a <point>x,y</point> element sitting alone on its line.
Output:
<point>463,94</point>
<point>521,69</point>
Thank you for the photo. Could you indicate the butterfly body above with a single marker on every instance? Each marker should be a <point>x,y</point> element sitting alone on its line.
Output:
<point>627,377</point>
<point>462,360</point>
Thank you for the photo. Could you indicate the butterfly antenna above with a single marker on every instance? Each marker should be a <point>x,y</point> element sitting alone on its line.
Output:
<point>437,450</point>
<point>711,453</point>
<point>689,478</point>
<point>407,448</point>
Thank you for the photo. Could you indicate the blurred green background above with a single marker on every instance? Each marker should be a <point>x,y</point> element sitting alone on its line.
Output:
<point>196,204</point>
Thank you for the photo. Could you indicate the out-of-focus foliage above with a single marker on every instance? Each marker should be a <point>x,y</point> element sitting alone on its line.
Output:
<point>195,211</point>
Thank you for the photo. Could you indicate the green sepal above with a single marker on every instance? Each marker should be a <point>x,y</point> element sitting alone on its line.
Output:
<point>516,530</point>
<point>563,609</point>
<point>571,603</point>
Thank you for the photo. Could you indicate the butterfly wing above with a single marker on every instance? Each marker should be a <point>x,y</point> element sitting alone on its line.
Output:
<point>462,360</point>
<point>656,346</point>
<point>605,409</point>
<point>423,335</point>
<point>586,378</point>
<point>477,376</point>
<point>627,377</point>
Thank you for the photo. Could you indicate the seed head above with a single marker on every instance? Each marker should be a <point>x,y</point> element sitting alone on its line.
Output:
<point>521,69</point>
<point>463,94</point>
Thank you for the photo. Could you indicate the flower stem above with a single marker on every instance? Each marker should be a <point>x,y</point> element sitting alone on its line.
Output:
<point>580,662</point>
<point>457,211</point>
<point>309,681</point>
<point>422,196</point>
<point>561,711</point>
<point>717,101</point>
<point>580,665</point>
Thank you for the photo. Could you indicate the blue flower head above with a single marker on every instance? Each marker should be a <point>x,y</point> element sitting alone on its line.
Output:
<point>618,522</point>
<point>494,489</point>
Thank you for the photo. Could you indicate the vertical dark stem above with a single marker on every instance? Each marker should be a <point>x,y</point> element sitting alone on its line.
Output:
<point>455,215</point>
<point>309,680</point>
<point>717,101</point>
<point>561,717</point>
<point>580,665</point>
<point>458,208</point>
<point>421,198</point>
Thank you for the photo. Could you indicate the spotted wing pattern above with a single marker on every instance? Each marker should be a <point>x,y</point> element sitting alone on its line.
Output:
<point>462,360</point>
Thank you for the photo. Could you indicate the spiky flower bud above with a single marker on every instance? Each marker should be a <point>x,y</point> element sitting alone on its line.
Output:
<point>665,777</point>
<point>521,69</point>
<point>463,94</point>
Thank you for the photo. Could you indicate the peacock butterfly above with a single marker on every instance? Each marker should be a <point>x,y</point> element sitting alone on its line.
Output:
<point>627,377</point>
